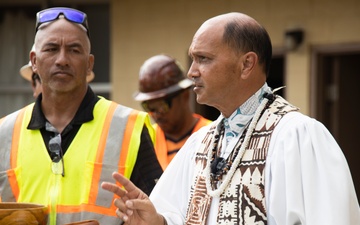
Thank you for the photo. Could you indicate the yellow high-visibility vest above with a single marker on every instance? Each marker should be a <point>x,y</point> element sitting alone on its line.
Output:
<point>108,143</point>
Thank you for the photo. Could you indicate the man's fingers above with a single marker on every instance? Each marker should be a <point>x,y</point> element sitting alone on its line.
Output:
<point>138,204</point>
<point>126,183</point>
<point>122,211</point>
<point>120,204</point>
<point>113,188</point>
<point>132,192</point>
<point>121,215</point>
<point>132,203</point>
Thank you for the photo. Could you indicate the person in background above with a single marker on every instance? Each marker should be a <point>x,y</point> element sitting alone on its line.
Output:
<point>27,73</point>
<point>164,92</point>
<point>58,150</point>
<point>260,162</point>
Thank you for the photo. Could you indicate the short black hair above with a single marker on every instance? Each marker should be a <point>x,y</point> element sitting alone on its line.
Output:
<point>246,37</point>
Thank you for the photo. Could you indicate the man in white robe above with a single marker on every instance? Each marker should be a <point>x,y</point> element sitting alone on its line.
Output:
<point>305,180</point>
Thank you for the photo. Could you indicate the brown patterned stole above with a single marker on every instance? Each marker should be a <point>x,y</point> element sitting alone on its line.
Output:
<point>243,201</point>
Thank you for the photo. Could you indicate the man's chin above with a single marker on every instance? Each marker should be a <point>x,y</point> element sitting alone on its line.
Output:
<point>200,100</point>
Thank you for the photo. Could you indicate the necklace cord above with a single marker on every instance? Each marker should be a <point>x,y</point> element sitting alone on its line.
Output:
<point>212,191</point>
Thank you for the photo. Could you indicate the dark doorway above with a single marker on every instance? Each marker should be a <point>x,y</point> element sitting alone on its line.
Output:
<point>335,94</point>
<point>276,75</point>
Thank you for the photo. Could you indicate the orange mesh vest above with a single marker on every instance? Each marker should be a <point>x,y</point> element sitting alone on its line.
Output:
<point>164,146</point>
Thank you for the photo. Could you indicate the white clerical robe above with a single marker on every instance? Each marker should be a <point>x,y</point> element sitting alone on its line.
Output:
<point>307,179</point>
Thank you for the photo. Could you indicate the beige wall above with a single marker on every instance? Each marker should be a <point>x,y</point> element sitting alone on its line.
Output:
<point>142,28</point>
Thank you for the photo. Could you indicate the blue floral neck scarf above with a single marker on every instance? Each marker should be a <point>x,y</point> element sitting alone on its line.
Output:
<point>235,124</point>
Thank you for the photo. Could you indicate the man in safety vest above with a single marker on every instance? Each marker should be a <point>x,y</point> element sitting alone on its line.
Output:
<point>164,92</point>
<point>58,150</point>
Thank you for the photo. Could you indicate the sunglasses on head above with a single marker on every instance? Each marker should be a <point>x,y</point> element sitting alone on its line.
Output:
<point>72,15</point>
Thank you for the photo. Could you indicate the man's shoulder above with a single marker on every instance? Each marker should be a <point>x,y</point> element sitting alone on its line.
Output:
<point>14,115</point>
<point>298,122</point>
<point>119,108</point>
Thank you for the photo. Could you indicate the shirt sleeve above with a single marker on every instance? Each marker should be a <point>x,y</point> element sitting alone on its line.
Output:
<point>307,179</point>
<point>147,169</point>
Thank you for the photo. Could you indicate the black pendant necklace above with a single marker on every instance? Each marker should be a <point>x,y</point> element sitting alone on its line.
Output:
<point>217,165</point>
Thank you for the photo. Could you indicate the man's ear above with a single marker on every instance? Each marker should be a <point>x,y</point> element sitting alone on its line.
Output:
<point>33,61</point>
<point>249,61</point>
<point>90,63</point>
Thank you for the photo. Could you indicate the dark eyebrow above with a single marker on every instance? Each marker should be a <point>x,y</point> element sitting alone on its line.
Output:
<point>52,44</point>
<point>197,53</point>
<point>72,45</point>
<point>75,44</point>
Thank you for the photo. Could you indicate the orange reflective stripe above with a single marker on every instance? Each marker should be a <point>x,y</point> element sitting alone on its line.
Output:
<point>126,141</point>
<point>16,138</point>
<point>85,208</point>
<point>14,151</point>
<point>160,147</point>
<point>100,152</point>
<point>13,184</point>
<point>105,132</point>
